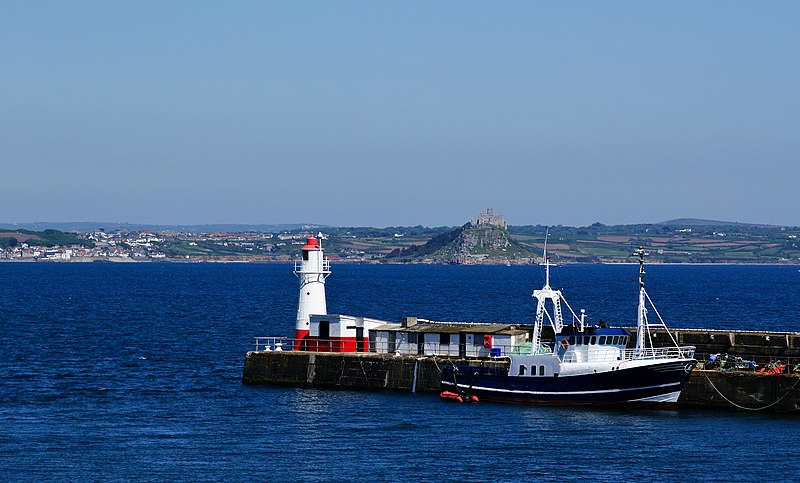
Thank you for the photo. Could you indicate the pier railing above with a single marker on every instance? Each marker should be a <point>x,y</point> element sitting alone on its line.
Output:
<point>437,349</point>
<point>267,344</point>
<point>738,362</point>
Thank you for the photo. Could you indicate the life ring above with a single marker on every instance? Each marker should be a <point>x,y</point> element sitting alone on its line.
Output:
<point>565,344</point>
<point>487,341</point>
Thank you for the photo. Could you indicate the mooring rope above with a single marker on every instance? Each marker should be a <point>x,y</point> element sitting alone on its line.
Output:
<point>455,368</point>
<point>437,364</point>
<point>752,409</point>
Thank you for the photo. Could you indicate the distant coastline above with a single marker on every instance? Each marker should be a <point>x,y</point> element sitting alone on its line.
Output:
<point>486,240</point>
<point>359,262</point>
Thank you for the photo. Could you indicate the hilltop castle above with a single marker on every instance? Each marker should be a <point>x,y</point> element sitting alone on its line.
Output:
<point>489,219</point>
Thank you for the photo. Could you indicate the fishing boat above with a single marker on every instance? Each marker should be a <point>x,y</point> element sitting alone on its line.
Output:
<point>583,365</point>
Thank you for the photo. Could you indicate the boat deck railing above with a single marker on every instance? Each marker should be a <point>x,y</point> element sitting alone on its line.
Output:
<point>685,352</point>
<point>629,354</point>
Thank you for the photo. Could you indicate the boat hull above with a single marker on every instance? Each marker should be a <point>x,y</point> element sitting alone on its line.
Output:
<point>655,385</point>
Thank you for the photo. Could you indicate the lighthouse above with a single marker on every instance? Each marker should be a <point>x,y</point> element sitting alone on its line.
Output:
<point>312,271</point>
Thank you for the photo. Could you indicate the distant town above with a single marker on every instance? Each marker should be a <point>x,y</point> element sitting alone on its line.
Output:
<point>486,239</point>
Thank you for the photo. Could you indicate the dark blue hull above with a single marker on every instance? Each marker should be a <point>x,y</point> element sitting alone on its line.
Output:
<point>655,385</point>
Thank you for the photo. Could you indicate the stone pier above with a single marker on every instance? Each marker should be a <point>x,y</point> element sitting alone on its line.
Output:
<point>421,374</point>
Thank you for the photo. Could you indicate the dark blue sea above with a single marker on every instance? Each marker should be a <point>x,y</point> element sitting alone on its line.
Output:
<point>133,372</point>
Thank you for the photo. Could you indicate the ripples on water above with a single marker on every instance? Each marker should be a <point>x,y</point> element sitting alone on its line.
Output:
<point>114,372</point>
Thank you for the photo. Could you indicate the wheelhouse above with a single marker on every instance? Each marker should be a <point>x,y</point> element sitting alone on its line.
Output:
<point>615,337</point>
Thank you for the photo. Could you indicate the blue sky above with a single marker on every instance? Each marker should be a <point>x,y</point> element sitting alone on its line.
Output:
<point>405,113</point>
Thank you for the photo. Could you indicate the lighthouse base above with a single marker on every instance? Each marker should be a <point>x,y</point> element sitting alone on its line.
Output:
<point>300,340</point>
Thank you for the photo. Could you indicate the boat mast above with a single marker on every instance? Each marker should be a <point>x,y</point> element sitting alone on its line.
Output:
<point>644,328</point>
<point>641,316</point>
<point>542,296</point>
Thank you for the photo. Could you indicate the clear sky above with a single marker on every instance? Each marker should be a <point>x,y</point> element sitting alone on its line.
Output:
<point>399,113</point>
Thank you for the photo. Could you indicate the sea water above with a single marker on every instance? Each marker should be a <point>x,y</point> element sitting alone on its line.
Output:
<point>133,372</point>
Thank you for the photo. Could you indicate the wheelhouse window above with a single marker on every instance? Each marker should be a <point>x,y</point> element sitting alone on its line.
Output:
<point>412,337</point>
<point>602,340</point>
<point>444,339</point>
<point>572,340</point>
<point>594,339</point>
<point>522,370</point>
<point>541,370</point>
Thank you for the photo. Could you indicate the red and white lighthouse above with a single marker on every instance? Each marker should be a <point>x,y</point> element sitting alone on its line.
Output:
<point>312,271</point>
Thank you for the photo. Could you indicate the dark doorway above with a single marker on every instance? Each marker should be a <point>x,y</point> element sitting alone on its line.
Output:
<point>359,339</point>
<point>324,342</point>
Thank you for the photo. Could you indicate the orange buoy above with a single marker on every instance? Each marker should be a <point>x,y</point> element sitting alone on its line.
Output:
<point>450,396</point>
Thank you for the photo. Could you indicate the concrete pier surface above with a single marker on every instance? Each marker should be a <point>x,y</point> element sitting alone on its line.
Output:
<point>739,390</point>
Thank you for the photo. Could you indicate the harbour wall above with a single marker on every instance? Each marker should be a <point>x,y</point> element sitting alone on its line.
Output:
<point>739,390</point>
<point>349,370</point>
<point>759,345</point>
<point>387,372</point>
